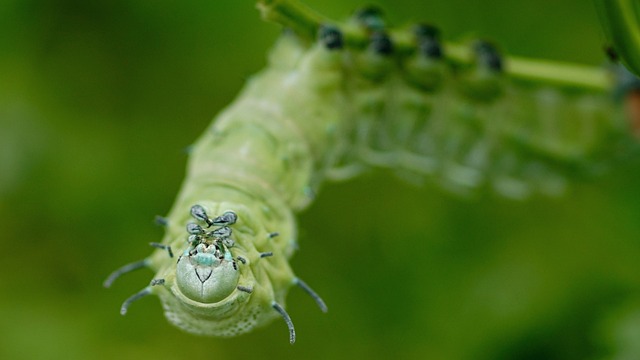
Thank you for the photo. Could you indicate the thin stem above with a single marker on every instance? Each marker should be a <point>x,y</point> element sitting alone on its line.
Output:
<point>292,14</point>
<point>619,19</point>
<point>559,73</point>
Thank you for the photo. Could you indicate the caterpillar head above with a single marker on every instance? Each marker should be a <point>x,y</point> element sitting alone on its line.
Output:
<point>207,271</point>
<point>224,283</point>
<point>232,275</point>
<point>207,274</point>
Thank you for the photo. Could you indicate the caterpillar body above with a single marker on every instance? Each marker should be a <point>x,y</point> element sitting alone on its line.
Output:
<point>329,109</point>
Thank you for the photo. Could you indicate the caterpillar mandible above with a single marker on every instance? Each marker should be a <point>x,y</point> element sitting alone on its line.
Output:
<point>334,100</point>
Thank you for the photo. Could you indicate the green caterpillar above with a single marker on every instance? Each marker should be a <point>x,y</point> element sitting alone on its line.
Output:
<point>329,106</point>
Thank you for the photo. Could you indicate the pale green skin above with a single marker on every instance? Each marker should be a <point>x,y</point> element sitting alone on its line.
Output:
<point>262,158</point>
<point>316,113</point>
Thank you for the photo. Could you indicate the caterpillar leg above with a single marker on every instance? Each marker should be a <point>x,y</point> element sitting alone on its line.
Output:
<point>139,295</point>
<point>287,320</point>
<point>163,247</point>
<point>142,293</point>
<point>135,265</point>
<point>313,294</point>
<point>125,269</point>
<point>285,315</point>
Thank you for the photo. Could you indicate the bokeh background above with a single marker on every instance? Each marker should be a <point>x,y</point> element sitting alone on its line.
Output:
<point>99,99</point>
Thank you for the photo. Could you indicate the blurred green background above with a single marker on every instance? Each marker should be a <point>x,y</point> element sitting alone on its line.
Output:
<point>98,101</point>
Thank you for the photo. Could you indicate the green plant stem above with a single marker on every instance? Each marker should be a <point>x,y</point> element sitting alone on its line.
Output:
<point>293,15</point>
<point>305,22</point>
<point>619,19</point>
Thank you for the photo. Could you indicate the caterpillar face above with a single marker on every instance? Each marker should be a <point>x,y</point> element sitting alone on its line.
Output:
<point>207,272</point>
<point>207,275</point>
<point>355,96</point>
<point>212,289</point>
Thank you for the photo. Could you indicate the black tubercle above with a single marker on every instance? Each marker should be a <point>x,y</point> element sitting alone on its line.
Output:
<point>222,232</point>
<point>381,43</point>
<point>331,37</point>
<point>423,31</point>
<point>611,53</point>
<point>427,37</point>
<point>371,17</point>
<point>228,218</point>
<point>195,229</point>
<point>488,55</point>
<point>199,213</point>
<point>219,237</point>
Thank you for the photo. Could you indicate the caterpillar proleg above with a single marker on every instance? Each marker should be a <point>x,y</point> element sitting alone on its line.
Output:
<point>335,100</point>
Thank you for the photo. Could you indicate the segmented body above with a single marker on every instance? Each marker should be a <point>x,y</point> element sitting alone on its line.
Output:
<point>324,110</point>
<point>259,161</point>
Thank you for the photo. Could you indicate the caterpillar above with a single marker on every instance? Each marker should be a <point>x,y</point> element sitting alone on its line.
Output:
<point>335,100</point>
